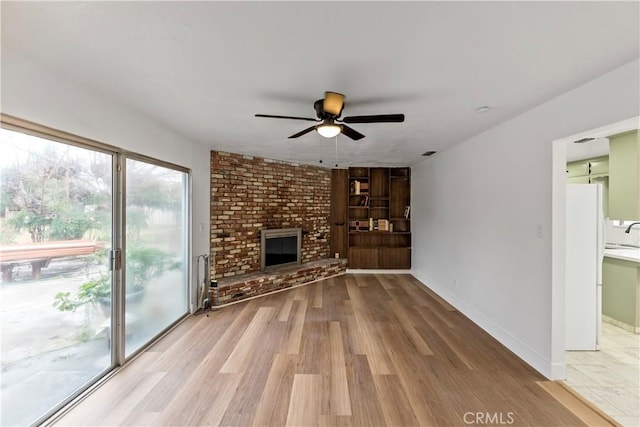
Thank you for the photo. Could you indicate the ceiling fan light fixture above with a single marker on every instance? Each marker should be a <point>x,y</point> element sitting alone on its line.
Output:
<point>328,129</point>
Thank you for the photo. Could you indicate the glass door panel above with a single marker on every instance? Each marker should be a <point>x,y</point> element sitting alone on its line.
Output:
<point>155,251</point>
<point>56,209</point>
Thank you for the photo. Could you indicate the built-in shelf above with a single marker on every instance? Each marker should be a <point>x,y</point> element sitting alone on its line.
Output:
<point>384,194</point>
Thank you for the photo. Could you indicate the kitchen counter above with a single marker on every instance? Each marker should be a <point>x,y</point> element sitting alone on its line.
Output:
<point>624,253</point>
<point>621,287</point>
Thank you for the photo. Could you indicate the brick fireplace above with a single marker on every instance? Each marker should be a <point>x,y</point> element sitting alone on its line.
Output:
<point>249,194</point>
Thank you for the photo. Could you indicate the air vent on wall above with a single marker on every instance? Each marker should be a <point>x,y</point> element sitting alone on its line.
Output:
<point>583,140</point>
<point>429,153</point>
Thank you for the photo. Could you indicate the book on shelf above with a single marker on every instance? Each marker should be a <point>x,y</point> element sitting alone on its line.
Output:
<point>364,200</point>
<point>359,225</point>
<point>407,211</point>
<point>378,224</point>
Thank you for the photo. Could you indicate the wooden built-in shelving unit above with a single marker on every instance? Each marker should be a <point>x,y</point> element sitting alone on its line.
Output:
<point>369,220</point>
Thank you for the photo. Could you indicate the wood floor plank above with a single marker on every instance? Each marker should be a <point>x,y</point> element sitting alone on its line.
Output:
<point>243,407</point>
<point>407,324</point>
<point>273,407</point>
<point>137,419</point>
<point>119,385</point>
<point>394,402</point>
<point>294,337</point>
<point>317,295</point>
<point>301,293</point>
<point>208,405</point>
<point>210,347</point>
<point>365,406</point>
<point>373,348</point>
<point>574,404</point>
<point>237,360</point>
<point>216,409</point>
<point>340,400</point>
<point>458,348</point>
<point>304,404</point>
<point>315,356</point>
<point>418,390</point>
<point>432,294</point>
<point>336,421</point>
<point>285,311</point>
<point>353,350</point>
<point>387,281</point>
<point>354,342</point>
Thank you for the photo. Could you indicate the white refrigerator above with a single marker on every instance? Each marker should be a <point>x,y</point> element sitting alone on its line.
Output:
<point>584,253</point>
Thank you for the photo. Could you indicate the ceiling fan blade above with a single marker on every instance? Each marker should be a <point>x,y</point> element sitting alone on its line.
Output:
<point>380,118</point>
<point>333,103</point>
<point>287,117</point>
<point>351,133</point>
<point>302,132</point>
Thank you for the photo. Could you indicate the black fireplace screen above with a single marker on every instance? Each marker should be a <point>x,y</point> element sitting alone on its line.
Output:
<point>281,250</point>
<point>280,246</point>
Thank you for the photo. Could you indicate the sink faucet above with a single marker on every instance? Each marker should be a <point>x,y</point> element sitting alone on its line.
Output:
<point>629,227</point>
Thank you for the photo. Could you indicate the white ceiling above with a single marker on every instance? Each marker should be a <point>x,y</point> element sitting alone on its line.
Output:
<point>203,69</point>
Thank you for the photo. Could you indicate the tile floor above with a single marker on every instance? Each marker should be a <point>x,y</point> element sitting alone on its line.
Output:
<point>610,377</point>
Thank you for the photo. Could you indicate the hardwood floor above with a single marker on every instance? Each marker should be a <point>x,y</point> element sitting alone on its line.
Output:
<point>354,350</point>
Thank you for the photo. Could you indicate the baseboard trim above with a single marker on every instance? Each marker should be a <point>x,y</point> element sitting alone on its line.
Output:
<point>622,325</point>
<point>372,271</point>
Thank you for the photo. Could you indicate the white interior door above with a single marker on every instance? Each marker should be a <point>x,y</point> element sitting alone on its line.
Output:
<point>581,267</point>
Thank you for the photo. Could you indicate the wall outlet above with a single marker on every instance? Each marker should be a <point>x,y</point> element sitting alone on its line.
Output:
<point>539,230</point>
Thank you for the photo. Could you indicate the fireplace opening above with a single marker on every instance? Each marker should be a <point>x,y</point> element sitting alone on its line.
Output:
<point>280,247</point>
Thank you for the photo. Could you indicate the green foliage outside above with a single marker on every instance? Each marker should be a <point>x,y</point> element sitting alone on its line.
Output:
<point>143,266</point>
<point>54,195</point>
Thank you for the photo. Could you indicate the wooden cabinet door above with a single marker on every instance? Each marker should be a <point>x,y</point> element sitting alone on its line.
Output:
<point>578,168</point>
<point>599,166</point>
<point>363,257</point>
<point>578,180</point>
<point>394,258</point>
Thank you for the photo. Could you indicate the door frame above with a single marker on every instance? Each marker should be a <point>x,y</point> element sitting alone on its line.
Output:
<point>558,236</point>
<point>119,157</point>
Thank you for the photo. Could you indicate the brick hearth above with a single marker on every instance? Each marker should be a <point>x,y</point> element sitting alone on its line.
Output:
<point>249,194</point>
<point>244,286</point>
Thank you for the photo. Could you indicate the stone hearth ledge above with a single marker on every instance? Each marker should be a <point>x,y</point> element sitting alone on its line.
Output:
<point>237,288</point>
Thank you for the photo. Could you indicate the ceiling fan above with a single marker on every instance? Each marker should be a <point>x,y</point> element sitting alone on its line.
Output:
<point>329,110</point>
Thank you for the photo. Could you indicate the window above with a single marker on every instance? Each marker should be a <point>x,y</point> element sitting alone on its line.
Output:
<point>70,311</point>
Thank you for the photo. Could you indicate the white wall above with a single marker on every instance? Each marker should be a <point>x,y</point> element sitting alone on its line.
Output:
<point>33,93</point>
<point>477,208</point>
<point>616,234</point>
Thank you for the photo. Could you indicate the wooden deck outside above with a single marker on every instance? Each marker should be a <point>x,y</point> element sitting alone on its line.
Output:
<point>40,254</point>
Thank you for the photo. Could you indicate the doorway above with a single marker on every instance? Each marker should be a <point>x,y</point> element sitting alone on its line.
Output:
<point>94,257</point>
<point>609,376</point>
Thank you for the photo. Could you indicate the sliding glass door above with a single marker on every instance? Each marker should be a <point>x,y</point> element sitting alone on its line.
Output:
<point>56,211</point>
<point>94,259</point>
<point>156,250</point>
